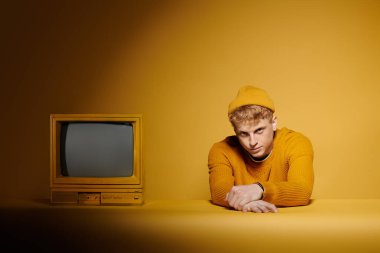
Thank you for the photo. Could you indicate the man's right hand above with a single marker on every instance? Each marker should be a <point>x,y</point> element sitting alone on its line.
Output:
<point>259,206</point>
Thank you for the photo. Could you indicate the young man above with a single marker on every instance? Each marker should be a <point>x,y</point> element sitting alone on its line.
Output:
<point>261,167</point>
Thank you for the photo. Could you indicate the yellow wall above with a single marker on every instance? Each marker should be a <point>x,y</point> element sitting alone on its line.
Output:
<point>179,63</point>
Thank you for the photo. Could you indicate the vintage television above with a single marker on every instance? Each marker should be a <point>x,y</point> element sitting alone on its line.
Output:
<point>96,159</point>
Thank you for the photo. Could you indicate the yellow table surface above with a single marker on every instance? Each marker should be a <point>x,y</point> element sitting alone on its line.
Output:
<point>326,225</point>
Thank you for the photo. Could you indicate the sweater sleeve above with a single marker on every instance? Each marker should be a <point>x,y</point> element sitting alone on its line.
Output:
<point>297,189</point>
<point>220,174</point>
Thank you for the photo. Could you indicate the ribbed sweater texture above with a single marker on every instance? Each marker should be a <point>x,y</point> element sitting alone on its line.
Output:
<point>287,174</point>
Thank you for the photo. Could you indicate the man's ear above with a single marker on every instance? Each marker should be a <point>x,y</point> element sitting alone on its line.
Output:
<point>274,123</point>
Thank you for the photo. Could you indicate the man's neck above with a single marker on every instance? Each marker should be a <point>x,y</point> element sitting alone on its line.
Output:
<point>261,159</point>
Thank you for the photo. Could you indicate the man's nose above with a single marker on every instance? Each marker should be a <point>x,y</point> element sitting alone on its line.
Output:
<point>252,141</point>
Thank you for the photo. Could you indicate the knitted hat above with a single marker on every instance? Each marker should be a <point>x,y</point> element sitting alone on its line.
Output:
<point>249,95</point>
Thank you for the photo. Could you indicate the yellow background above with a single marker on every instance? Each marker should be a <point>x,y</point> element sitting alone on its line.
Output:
<point>179,63</point>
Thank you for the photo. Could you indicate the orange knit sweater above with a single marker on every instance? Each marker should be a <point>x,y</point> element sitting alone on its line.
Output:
<point>287,174</point>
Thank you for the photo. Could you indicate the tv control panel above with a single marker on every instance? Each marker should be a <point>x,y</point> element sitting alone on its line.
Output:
<point>133,197</point>
<point>121,198</point>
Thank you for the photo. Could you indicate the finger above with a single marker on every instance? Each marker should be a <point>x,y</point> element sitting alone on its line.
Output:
<point>251,207</point>
<point>230,194</point>
<point>241,200</point>
<point>272,207</point>
<point>255,209</point>
<point>246,208</point>
<point>269,206</point>
<point>233,198</point>
<point>242,203</point>
<point>263,208</point>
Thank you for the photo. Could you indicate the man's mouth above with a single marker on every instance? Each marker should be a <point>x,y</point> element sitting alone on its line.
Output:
<point>255,149</point>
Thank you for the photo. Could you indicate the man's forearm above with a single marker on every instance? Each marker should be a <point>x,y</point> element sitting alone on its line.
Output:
<point>287,193</point>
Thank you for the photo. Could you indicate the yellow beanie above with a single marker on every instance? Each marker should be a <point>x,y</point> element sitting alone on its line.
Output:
<point>249,95</point>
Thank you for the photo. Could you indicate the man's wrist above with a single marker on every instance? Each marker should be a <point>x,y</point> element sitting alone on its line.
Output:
<point>262,188</point>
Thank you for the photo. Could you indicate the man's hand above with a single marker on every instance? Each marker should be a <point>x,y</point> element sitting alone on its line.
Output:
<point>241,195</point>
<point>260,206</point>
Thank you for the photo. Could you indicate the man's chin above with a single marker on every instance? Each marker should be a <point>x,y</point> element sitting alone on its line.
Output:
<point>258,155</point>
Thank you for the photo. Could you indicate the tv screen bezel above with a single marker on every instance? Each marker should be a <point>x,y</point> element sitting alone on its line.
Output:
<point>58,181</point>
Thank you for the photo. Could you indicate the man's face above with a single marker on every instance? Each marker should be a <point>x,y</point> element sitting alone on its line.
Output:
<point>257,136</point>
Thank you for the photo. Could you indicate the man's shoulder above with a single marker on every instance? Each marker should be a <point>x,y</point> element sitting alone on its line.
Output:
<point>228,148</point>
<point>230,144</point>
<point>286,134</point>
<point>291,140</point>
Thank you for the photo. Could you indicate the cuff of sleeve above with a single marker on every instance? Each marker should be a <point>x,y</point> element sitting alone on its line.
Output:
<point>269,193</point>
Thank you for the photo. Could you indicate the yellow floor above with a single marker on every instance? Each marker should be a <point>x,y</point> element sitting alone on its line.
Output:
<point>192,226</point>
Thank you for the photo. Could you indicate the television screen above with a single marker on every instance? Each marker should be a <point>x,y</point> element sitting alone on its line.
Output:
<point>97,149</point>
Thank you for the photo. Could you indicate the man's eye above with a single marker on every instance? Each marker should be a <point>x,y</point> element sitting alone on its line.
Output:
<point>243,134</point>
<point>260,130</point>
